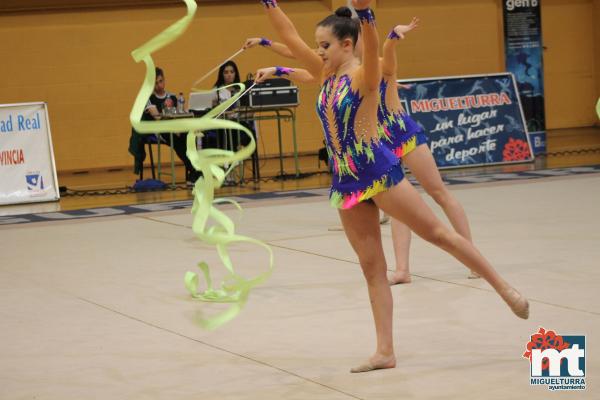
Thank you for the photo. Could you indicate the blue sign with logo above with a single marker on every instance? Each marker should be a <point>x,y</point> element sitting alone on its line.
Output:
<point>469,121</point>
<point>524,58</point>
<point>557,361</point>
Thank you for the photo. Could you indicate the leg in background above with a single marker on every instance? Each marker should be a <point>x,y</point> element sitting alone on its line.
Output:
<point>401,236</point>
<point>423,167</point>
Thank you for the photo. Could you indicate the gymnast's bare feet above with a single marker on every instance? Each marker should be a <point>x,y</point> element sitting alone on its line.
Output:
<point>384,219</point>
<point>474,275</point>
<point>516,301</point>
<point>399,277</point>
<point>378,361</point>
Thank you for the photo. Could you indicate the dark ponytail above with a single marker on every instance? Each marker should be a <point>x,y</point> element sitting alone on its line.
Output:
<point>342,24</point>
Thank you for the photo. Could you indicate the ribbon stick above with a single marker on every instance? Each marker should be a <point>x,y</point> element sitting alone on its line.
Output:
<point>234,55</point>
<point>235,288</point>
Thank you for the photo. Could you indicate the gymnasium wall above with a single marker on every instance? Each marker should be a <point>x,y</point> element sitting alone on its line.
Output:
<point>570,62</point>
<point>597,48</point>
<point>78,61</point>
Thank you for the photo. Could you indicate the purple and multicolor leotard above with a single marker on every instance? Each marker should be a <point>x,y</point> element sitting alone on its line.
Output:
<point>400,133</point>
<point>362,167</point>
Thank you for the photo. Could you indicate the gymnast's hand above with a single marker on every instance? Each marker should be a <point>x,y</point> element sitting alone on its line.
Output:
<point>264,74</point>
<point>402,29</point>
<point>361,4</point>
<point>252,42</point>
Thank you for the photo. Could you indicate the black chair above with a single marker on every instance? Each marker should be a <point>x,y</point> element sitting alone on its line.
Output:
<point>149,140</point>
<point>153,139</point>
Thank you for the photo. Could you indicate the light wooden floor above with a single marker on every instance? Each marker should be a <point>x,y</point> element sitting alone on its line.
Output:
<point>96,308</point>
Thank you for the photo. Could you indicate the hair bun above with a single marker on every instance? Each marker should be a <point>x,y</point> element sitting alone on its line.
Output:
<point>343,12</point>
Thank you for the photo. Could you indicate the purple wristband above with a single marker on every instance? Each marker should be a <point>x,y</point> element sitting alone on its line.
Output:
<point>393,35</point>
<point>366,15</point>
<point>265,42</point>
<point>281,71</point>
<point>269,3</point>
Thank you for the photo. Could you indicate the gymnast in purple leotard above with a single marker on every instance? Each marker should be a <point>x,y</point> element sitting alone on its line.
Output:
<point>406,139</point>
<point>368,176</point>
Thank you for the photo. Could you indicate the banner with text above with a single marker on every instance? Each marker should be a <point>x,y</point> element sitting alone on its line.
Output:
<point>27,170</point>
<point>524,58</point>
<point>469,121</point>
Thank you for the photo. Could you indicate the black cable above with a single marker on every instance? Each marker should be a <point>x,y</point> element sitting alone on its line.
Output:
<point>128,190</point>
<point>117,191</point>
<point>561,153</point>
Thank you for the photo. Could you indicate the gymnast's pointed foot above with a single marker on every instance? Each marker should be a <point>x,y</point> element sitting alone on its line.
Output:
<point>376,362</point>
<point>516,301</point>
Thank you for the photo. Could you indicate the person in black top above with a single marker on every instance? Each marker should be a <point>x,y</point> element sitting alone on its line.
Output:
<point>159,100</point>
<point>229,74</point>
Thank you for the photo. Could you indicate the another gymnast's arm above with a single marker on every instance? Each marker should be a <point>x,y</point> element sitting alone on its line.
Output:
<point>389,64</point>
<point>276,47</point>
<point>290,37</point>
<point>294,74</point>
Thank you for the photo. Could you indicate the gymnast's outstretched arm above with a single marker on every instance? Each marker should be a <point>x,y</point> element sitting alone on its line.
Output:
<point>389,64</point>
<point>289,36</point>
<point>276,47</point>
<point>294,74</point>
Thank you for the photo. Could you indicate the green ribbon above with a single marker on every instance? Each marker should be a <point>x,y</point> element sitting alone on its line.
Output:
<point>235,288</point>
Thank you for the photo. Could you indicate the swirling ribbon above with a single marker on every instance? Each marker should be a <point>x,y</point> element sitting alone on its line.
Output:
<point>235,288</point>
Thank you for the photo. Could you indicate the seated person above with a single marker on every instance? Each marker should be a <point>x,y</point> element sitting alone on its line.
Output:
<point>229,74</point>
<point>160,99</point>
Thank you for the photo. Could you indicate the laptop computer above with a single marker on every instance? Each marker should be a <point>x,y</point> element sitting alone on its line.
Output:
<point>201,101</point>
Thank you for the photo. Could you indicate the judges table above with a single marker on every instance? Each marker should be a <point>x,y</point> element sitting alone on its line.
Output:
<point>278,114</point>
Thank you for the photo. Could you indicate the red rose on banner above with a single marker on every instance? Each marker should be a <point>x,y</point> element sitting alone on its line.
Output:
<point>515,150</point>
<point>545,340</point>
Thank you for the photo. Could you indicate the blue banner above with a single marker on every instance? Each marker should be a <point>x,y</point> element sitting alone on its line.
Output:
<point>469,121</point>
<point>524,58</point>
